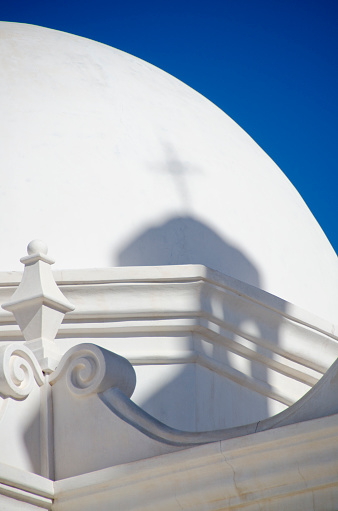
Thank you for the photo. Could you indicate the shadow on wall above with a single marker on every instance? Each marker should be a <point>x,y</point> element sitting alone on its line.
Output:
<point>185,240</point>
<point>192,397</point>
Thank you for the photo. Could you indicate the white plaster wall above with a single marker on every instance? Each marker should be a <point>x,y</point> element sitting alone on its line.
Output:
<point>169,393</point>
<point>20,433</point>
<point>193,398</point>
<point>114,162</point>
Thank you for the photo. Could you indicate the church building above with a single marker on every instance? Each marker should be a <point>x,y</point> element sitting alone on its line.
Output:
<point>181,353</point>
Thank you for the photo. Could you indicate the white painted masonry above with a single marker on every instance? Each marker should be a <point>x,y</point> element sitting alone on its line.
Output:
<point>82,420</point>
<point>161,384</point>
<point>105,149</point>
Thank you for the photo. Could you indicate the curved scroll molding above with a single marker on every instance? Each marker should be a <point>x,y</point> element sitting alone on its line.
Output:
<point>320,401</point>
<point>90,369</point>
<point>131,413</point>
<point>19,371</point>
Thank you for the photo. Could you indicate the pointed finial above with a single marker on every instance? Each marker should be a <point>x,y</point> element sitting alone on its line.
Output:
<point>38,305</point>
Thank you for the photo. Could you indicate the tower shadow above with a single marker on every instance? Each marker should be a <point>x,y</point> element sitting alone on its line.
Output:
<point>186,240</point>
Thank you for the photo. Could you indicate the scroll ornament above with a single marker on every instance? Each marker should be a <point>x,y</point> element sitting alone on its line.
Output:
<point>19,371</point>
<point>90,369</point>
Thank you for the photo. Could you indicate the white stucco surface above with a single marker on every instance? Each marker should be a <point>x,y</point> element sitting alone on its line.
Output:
<point>114,162</point>
<point>75,436</point>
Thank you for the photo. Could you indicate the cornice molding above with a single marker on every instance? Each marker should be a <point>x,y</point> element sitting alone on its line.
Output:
<point>294,467</point>
<point>285,468</point>
<point>25,487</point>
<point>176,274</point>
<point>194,301</point>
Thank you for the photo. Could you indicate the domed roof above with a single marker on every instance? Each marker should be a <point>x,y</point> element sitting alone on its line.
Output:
<point>114,162</point>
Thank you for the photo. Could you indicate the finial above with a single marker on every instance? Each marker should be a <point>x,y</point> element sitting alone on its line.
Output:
<point>37,251</point>
<point>38,305</point>
<point>37,247</point>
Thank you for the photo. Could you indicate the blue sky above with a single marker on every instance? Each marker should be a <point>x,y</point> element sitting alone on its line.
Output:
<point>271,65</point>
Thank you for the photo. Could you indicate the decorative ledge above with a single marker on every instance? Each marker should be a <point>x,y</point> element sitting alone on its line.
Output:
<point>219,314</point>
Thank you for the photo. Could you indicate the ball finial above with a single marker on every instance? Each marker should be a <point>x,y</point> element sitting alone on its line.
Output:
<point>36,247</point>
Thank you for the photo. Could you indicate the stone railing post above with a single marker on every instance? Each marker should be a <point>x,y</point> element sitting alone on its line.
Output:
<point>39,306</point>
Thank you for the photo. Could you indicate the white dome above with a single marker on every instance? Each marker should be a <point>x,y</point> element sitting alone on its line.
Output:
<point>113,162</point>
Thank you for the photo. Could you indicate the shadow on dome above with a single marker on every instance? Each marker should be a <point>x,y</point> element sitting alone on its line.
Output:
<point>185,240</point>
